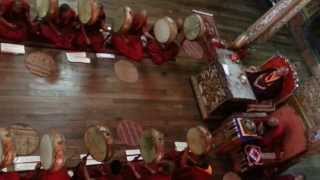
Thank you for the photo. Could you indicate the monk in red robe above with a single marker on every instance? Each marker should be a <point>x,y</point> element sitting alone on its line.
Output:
<point>14,20</point>
<point>90,36</point>
<point>189,167</point>
<point>267,84</point>
<point>162,53</point>
<point>130,44</point>
<point>59,29</point>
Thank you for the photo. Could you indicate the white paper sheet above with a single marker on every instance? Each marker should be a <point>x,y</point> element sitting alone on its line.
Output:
<point>106,55</point>
<point>13,48</point>
<point>180,146</point>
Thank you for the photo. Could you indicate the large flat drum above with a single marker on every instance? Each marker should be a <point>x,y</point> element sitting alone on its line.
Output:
<point>88,11</point>
<point>52,148</point>
<point>152,146</point>
<point>199,140</point>
<point>98,140</point>
<point>46,8</point>
<point>165,30</point>
<point>194,27</point>
<point>122,20</point>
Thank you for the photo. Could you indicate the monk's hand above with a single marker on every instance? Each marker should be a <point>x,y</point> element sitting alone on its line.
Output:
<point>12,26</point>
<point>252,69</point>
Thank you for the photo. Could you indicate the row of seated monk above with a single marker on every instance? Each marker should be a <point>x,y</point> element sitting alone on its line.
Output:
<point>64,29</point>
<point>193,162</point>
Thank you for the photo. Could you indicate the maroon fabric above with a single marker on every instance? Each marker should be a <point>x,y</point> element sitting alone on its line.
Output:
<point>129,46</point>
<point>17,17</point>
<point>139,22</point>
<point>59,41</point>
<point>97,41</point>
<point>59,175</point>
<point>288,177</point>
<point>9,176</point>
<point>192,173</point>
<point>159,54</point>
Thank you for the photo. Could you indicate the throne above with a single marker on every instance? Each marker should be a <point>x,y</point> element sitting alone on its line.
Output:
<point>290,84</point>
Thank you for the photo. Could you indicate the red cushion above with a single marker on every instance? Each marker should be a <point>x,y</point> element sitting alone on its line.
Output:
<point>289,84</point>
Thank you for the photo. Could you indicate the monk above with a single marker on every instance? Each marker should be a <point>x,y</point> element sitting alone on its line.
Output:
<point>90,36</point>
<point>14,20</point>
<point>129,44</point>
<point>190,167</point>
<point>267,84</point>
<point>59,29</point>
<point>162,53</point>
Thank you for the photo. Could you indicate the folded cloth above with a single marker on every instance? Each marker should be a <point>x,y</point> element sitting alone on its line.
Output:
<point>129,46</point>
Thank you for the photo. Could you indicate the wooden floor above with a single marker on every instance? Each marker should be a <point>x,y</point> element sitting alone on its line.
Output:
<point>84,94</point>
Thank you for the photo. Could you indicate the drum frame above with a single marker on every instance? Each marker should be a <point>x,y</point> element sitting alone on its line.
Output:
<point>95,12</point>
<point>203,27</point>
<point>208,140</point>
<point>53,9</point>
<point>159,148</point>
<point>127,21</point>
<point>8,148</point>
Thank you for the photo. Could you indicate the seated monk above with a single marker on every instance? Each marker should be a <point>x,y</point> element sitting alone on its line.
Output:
<point>273,133</point>
<point>14,20</point>
<point>59,29</point>
<point>193,169</point>
<point>128,42</point>
<point>267,84</point>
<point>90,36</point>
<point>163,52</point>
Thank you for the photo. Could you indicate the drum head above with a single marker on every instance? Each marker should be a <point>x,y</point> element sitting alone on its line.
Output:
<point>25,138</point>
<point>148,144</point>
<point>43,8</point>
<point>193,26</point>
<point>196,141</point>
<point>120,18</point>
<point>46,152</point>
<point>85,11</point>
<point>95,140</point>
<point>41,64</point>
<point>126,71</point>
<point>162,30</point>
<point>33,9</point>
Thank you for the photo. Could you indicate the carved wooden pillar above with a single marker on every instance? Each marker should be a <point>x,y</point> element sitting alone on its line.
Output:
<point>270,22</point>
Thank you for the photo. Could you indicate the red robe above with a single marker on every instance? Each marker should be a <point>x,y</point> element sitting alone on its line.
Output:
<point>9,176</point>
<point>65,25</point>
<point>59,175</point>
<point>19,19</point>
<point>160,54</point>
<point>93,33</point>
<point>130,45</point>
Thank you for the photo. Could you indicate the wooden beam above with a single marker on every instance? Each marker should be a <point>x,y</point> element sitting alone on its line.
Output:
<point>270,22</point>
